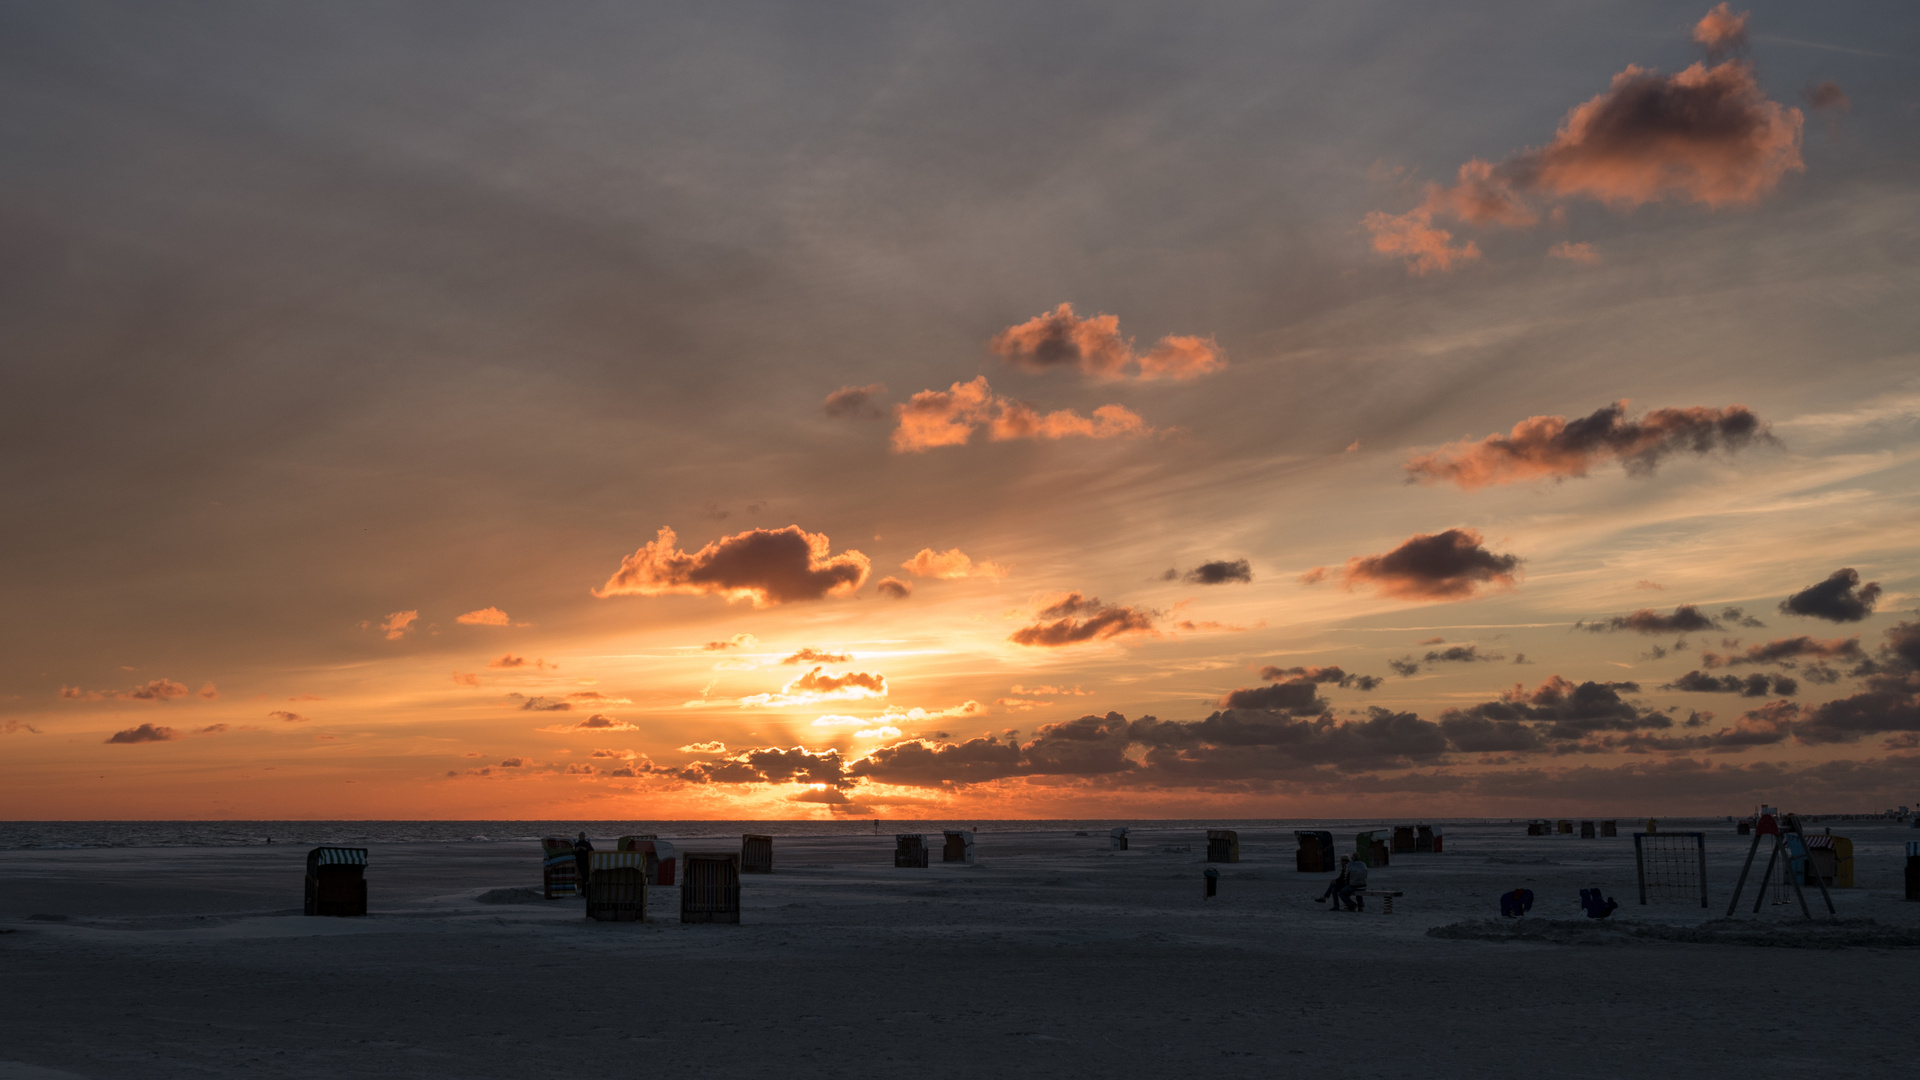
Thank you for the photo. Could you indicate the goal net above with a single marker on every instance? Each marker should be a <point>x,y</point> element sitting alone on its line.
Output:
<point>1672,866</point>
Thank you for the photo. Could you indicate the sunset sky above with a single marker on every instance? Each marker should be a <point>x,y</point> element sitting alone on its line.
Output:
<point>982,410</point>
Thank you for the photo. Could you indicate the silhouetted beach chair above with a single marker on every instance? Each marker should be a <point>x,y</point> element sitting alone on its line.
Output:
<point>1223,845</point>
<point>336,881</point>
<point>710,887</point>
<point>1316,852</point>
<point>756,854</point>
<point>559,870</point>
<point>659,854</point>
<point>909,849</point>
<point>958,847</point>
<point>617,886</point>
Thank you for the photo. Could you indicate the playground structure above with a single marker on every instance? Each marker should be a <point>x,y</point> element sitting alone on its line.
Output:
<point>336,881</point>
<point>1672,865</point>
<point>1794,867</point>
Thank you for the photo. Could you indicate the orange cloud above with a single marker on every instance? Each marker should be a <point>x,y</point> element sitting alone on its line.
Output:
<point>398,623</point>
<point>893,587</point>
<point>157,690</point>
<point>1093,346</point>
<point>1553,446</point>
<point>14,727</point>
<point>765,566</point>
<point>812,655</point>
<point>508,660</point>
<point>949,417</point>
<point>815,686</point>
<point>1450,565</point>
<point>737,641</point>
<point>1707,135</point>
<point>1721,31</point>
<point>466,678</point>
<point>1073,619</point>
<point>949,564</point>
<point>598,722</point>
<point>704,748</point>
<point>1413,237</point>
<point>486,616</point>
<point>1572,252</point>
<point>145,733</point>
<point>286,717</point>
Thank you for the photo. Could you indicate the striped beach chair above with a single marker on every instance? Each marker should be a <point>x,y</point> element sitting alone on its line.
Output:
<point>336,881</point>
<point>617,886</point>
<point>560,873</point>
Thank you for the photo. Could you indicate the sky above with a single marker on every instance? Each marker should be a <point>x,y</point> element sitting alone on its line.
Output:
<point>998,410</point>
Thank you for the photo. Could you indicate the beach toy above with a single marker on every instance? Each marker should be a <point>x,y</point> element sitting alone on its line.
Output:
<point>1597,908</point>
<point>1516,903</point>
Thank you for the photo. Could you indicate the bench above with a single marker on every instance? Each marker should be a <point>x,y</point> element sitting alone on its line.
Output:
<point>1386,898</point>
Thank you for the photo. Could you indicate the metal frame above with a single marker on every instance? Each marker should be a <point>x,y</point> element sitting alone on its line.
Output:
<point>1700,842</point>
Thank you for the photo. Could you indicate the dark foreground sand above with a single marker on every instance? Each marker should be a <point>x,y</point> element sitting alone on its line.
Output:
<point>1049,957</point>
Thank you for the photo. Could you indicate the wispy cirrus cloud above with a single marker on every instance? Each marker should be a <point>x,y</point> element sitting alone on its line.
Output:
<point>154,690</point>
<point>764,566</point>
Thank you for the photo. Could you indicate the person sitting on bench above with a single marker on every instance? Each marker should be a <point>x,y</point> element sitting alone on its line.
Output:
<point>1334,886</point>
<point>1350,893</point>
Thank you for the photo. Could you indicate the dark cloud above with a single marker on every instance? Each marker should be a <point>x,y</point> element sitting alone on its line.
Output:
<point>766,566</point>
<point>856,402</point>
<point>1406,666</point>
<point>1294,696</point>
<point>544,704</point>
<point>1333,675</point>
<point>1562,711</point>
<point>1685,619</point>
<point>1890,703</point>
<point>1557,448</point>
<point>1232,744</point>
<point>1461,654</point>
<point>818,656</point>
<point>770,765</point>
<point>1788,650</point>
<point>1755,685</point>
<point>286,717</point>
<point>1840,598</point>
<point>1220,572</point>
<point>1828,95</point>
<point>145,733</point>
<point>893,588</point>
<point>1450,565</point>
<point>1061,623</point>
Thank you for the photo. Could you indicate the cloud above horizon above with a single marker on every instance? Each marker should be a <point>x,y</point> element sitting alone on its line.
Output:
<point>764,566</point>
<point>1706,135</point>
<point>1556,448</point>
<point>1074,619</point>
<point>1093,347</point>
<point>949,565</point>
<point>936,418</point>
<point>1840,598</point>
<point>1444,566</point>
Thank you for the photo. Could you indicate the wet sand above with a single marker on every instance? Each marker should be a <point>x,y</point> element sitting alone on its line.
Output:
<point>1048,956</point>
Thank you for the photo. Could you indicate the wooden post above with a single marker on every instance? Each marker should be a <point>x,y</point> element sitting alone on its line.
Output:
<point>1640,866</point>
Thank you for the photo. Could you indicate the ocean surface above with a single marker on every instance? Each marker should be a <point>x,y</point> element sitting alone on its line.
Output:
<point>17,835</point>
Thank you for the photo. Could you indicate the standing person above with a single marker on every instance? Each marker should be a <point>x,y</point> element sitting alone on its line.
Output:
<point>583,860</point>
<point>1356,884</point>
<point>1333,887</point>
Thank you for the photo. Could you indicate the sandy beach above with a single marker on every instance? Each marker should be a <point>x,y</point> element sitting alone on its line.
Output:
<point>1048,955</point>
